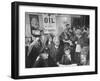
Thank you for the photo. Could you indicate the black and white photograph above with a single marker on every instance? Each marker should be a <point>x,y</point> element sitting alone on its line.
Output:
<point>51,40</point>
<point>56,40</point>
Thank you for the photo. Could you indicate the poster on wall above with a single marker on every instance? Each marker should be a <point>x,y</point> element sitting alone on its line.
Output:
<point>53,40</point>
<point>49,23</point>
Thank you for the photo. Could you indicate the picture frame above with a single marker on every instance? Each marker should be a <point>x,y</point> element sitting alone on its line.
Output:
<point>19,22</point>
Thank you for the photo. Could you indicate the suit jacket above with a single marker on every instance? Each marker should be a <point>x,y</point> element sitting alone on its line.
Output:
<point>56,53</point>
<point>45,62</point>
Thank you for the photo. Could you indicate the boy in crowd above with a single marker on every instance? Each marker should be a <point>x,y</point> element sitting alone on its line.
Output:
<point>66,58</point>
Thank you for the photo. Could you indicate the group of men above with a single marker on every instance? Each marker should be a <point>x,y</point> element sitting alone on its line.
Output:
<point>48,50</point>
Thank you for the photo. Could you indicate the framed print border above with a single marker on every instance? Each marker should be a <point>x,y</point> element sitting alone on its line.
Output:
<point>15,39</point>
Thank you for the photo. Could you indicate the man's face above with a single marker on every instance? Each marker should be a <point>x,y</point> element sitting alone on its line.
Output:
<point>50,39</point>
<point>34,23</point>
<point>83,59</point>
<point>44,56</point>
<point>67,52</point>
<point>84,50</point>
<point>56,42</point>
<point>78,33</point>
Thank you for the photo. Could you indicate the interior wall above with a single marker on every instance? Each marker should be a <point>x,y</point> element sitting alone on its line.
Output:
<point>61,21</point>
